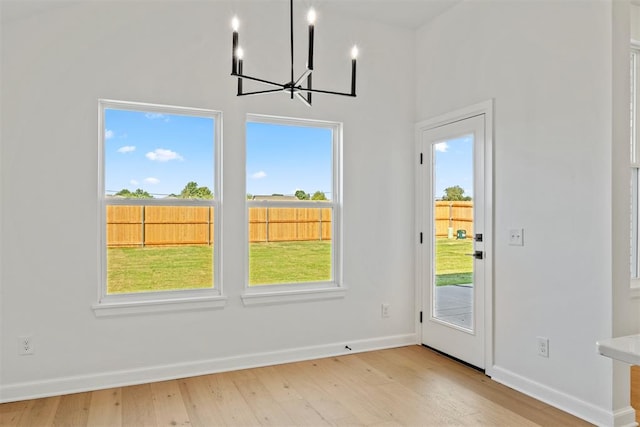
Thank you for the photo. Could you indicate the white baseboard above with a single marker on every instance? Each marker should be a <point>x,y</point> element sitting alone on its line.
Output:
<point>102,380</point>
<point>587,411</point>
<point>625,417</point>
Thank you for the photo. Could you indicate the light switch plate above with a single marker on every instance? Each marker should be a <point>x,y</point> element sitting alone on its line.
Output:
<point>516,237</point>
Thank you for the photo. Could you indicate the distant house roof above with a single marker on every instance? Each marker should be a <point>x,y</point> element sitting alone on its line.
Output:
<point>275,197</point>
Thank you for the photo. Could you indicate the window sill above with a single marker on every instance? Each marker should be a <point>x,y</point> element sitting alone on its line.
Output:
<point>634,292</point>
<point>266,297</point>
<point>117,305</point>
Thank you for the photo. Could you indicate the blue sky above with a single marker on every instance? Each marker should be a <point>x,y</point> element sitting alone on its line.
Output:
<point>283,158</point>
<point>159,153</point>
<point>453,165</point>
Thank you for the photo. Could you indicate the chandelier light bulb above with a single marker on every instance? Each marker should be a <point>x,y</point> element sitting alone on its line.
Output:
<point>235,23</point>
<point>240,53</point>
<point>311,16</point>
<point>354,52</point>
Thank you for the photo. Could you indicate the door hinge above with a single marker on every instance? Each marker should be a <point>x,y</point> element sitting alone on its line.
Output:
<point>420,158</point>
<point>420,317</point>
<point>421,237</point>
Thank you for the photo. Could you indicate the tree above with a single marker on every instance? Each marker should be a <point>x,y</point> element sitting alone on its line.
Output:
<point>192,191</point>
<point>301,195</point>
<point>138,194</point>
<point>318,195</point>
<point>455,193</point>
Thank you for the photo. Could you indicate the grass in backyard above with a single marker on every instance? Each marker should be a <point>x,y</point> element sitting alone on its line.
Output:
<point>159,269</point>
<point>453,267</point>
<point>151,269</point>
<point>289,262</point>
<point>190,267</point>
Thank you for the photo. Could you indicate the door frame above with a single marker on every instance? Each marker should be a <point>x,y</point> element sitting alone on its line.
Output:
<point>483,108</point>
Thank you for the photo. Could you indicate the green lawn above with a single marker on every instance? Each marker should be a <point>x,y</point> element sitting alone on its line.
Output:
<point>190,267</point>
<point>158,268</point>
<point>453,267</point>
<point>289,262</point>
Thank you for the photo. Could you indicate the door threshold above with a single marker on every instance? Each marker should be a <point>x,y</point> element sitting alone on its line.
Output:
<point>455,359</point>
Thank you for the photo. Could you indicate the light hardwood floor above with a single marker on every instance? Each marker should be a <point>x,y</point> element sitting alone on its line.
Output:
<point>403,386</point>
<point>635,391</point>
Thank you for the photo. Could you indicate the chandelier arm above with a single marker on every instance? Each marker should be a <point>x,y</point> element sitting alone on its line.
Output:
<point>303,99</point>
<point>244,76</point>
<point>330,92</point>
<point>303,76</point>
<point>261,92</point>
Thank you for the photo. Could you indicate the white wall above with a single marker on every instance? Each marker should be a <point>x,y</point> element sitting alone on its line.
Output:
<point>548,65</point>
<point>634,13</point>
<point>626,307</point>
<point>58,63</point>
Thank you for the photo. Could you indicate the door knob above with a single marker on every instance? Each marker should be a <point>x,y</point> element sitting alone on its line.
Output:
<point>476,255</point>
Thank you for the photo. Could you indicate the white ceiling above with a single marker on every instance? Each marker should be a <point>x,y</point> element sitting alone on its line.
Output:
<point>404,13</point>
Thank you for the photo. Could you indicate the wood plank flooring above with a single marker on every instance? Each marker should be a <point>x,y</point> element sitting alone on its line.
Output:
<point>403,386</point>
<point>635,391</point>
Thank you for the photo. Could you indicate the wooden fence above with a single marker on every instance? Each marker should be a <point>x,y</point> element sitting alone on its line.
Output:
<point>131,226</point>
<point>289,224</point>
<point>455,214</point>
<point>193,225</point>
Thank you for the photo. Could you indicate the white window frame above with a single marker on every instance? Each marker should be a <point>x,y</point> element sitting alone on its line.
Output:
<point>121,304</point>
<point>334,288</point>
<point>634,157</point>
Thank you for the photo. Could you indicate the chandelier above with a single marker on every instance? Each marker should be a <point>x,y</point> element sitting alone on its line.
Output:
<point>293,87</point>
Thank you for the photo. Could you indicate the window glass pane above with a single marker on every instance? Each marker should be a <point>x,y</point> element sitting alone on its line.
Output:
<point>158,155</point>
<point>290,237</point>
<point>287,160</point>
<point>635,188</point>
<point>633,106</point>
<point>634,223</point>
<point>157,248</point>
<point>289,245</point>
<point>155,240</point>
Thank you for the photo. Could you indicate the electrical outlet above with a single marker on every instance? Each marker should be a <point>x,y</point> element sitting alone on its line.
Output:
<point>385,310</point>
<point>25,345</point>
<point>543,346</point>
<point>516,237</point>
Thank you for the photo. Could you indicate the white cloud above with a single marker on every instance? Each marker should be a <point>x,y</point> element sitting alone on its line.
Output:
<point>134,182</point>
<point>163,155</point>
<point>108,134</point>
<point>152,180</point>
<point>259,175</point>
<point>126,149</point>
<point>157,116</point>
<point>441,147</point>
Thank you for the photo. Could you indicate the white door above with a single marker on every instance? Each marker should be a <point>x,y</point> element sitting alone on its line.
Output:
<point>454,226</point>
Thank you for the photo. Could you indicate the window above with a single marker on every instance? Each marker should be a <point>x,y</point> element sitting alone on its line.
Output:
<point>635,168</point>
<point>160,204</point>
<point>293,200</point>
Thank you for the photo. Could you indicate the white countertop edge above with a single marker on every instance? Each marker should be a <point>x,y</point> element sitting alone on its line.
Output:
<point>625,349</point>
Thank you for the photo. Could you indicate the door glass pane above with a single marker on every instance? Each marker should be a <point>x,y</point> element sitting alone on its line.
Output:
<point>452,280</point>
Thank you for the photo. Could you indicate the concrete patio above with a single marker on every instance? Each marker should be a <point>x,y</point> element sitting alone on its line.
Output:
<point>454,304</point>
